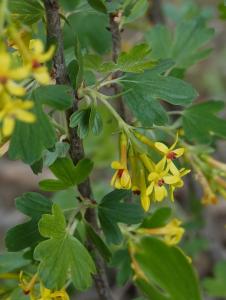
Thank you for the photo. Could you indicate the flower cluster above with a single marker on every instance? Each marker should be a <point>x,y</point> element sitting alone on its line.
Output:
<point>145,177</point>
<point>172,232</point>
<point>18,64</point>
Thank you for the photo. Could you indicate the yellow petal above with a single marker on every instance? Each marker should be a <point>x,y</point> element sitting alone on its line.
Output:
<point>25,116</point>
<point>153,176</point>
<point>41,75</point>
<point>145,202</point>
<point>161,147</point>
<point>4,63</point>
<point>150,189</point>
<point>47,55</point>
<point>27,104</point>
<point>171,179</point>
<point>36,46</point>
<point>160,165</point>
<point>160,192</point>
<point>8,126</point>
<point>19,73</point>
<point>179,152</point>
<point>173,169</point>
<point>184,172</point>
<point>116,165</point>
<point>118,183</point>
<point>15,89</point>
<point>125,180</point>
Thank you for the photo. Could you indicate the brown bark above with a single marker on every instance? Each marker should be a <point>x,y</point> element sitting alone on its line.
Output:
<point>54,33</point>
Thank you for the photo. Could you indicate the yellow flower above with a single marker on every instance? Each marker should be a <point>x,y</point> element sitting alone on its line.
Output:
<point>172,232</point>
<point>12,110</point>
<point>37,58</point>
<point>121,179</point>
<point>47,294</point>
<point>145,199</point>
<point>170,153</point>
<point>158,178</point>
<point>180,173</point>
<point>8,75</point>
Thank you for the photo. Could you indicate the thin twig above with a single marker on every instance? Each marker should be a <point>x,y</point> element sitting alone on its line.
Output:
<point>54,34</point>
<point>114,21</point>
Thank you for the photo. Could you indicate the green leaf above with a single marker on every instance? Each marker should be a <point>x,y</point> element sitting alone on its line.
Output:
<point>98,242</point>
<point>27,235</point>
<point>56,96</point>
<point>61,150</point>
<point>30,140</point>
<point>11,261</point>
<point>158,218</point>
<point>184,45</point>
<point>62,254</point>
<point>135,11</point>
<point>67,174</point>
<point>95,63</point>
<point>95,122</point>
<point>215,286</point>
<point>85,25</point>
<point>51,185</point>
<point>143,92</point>
<point>112,211</point>
<point>69,5</point>
<point>200,122</point>
<point>26,11</point>
<point>136,60</point>
<point>172,280</point>
<point>98,5</point>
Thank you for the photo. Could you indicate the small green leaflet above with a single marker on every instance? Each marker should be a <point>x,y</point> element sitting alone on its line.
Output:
<point>56,96</point>
<point>68,175</point>
<point>86,120</point>
<point>134,10</point>
<point>30,140</point>
<point>143,92</point>
<point>200,122</point>
<point>98,5</point>
<point>85,24</point>
<point>26,11</point>
<point>11,261</point>
<point>174,279</point>
<point>215,286</point>
<point>136,60</point>
<point>62,254</point>
<point>184,45</point>
<point>27,235</point>
<point>112,211</point>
